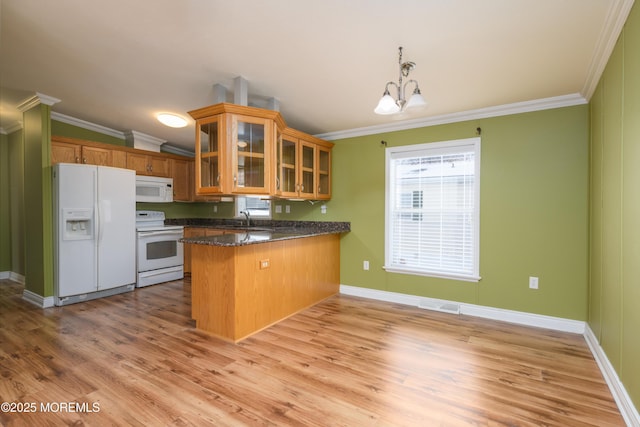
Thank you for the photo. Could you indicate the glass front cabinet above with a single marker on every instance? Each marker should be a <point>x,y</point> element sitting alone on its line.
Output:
<point>248,150</point>
<point>209,155</point>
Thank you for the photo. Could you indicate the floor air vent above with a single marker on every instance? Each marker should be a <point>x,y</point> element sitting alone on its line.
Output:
<point>445,307</point>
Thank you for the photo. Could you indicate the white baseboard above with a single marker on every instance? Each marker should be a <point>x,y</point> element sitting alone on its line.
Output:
<point>510,316</point>
<point>12,276</point>
<point>17,277</point>
<point>626,406</point>
<point>38,300</point>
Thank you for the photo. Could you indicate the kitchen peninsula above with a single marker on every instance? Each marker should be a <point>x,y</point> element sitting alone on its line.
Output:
<point>244,279</point>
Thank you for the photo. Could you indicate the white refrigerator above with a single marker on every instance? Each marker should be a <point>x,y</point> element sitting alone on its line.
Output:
<point>95,233</point>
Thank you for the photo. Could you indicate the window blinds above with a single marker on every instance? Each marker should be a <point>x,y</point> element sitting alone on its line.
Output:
<point>432,216</point>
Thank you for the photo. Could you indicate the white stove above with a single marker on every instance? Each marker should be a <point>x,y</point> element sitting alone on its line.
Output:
<point>160,252</point>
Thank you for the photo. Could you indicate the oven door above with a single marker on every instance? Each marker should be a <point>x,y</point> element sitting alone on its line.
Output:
<point>159,249</point>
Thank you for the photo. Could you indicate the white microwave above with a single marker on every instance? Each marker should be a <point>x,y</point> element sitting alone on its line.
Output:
<point>154,189</point>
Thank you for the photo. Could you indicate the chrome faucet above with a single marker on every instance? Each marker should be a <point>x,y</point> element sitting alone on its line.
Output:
<point>248,216</point>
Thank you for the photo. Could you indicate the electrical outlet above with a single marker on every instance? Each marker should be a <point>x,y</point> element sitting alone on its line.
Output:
<point>323,209</point>
<point>287,209</point>
<point>365,265</point>
<point>533,282</point>
<point>264,263</point>
<point>278,208</point>
<point>215,208</point>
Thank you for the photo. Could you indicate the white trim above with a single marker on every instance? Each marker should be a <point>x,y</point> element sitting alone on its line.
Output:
<point>614,23</point>
<point>143,141</point>
<point>503,315</point>
<point>37,99</point>
<point>39,300</point>
<point>10,275</point>
<point>432,274</point>
<point>482,113</point>
<point>16,277</point>
<point>11,128</point>
<point>167,148</point>
<point>86,125</point>
<point>622,398</point>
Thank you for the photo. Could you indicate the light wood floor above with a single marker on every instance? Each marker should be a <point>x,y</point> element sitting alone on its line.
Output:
<point>344,362</point>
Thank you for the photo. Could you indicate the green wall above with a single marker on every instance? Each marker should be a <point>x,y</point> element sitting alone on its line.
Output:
<point>533,214</point>
<point>71,131</point>
<point>614,293</point>
<point>37,201</point>
<point>5,206</point>
<point>16,200</point>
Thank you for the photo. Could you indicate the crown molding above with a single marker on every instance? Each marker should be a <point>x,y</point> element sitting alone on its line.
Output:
<point>86,125</point>
<point>35,100</point>
<point>11,128</point>
<point>614,23</point>
<point>482,113</point>
<point>143,141</point>
<point>167,148</point>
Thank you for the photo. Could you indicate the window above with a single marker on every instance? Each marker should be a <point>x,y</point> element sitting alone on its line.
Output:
<point>433,209</point>
<point>257,207</point>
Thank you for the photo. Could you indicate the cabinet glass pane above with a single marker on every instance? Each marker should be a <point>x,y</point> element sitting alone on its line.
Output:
<point>307,182</point>
<point>250,172</point>
<point>288,166</point>
<point>323,185</point>
<point>323,160</point>
<point>209,171</point>
<point>288,180</point>
<point>307,157</point>
<point>209,138</point>
<point>288,152</point>
<point>251,155</point>
<point>323,172</point>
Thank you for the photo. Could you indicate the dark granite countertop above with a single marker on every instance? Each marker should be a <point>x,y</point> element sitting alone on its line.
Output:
<point>260,231</point>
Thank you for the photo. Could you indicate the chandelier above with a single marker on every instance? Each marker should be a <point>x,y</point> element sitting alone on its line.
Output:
<point>391,105</point>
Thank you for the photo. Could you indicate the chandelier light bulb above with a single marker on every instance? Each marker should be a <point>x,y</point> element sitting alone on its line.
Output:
<point>390,105</point>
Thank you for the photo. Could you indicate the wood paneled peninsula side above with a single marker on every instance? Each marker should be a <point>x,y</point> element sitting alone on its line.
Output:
<point>244,279</point>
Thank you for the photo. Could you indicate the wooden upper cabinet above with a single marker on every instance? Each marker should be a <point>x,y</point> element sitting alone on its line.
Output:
<point>323,173</point>
<point>181,171</point>
<point>96,156</point>
<point>248,150</point>
<point>250,147</point>
<point>63,152</point>
<point>303,167</point>
<point>68,152</point>
<point>145,164</point>
<point>209,154</point>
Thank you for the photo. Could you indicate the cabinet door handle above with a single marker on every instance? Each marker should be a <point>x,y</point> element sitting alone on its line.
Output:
<point>84,160</point>
<point>235,180</point>
<point>277,183</point>
<point>301,188</point>
<point>218,180</point>
<point>77,159</point>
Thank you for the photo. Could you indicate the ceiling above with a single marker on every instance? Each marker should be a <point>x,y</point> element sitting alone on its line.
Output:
<point>117,63</point>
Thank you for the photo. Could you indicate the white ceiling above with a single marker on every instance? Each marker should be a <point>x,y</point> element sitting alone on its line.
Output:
<point>119,62</point>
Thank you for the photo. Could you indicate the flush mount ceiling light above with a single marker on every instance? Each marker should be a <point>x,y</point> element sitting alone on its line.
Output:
<point>172,120</point>
<point>389,105</point>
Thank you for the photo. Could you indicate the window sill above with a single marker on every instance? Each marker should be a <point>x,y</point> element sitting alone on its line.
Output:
<point>461,277</point>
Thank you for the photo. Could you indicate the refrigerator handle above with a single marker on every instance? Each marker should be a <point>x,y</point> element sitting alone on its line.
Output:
<point>99,222</point>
